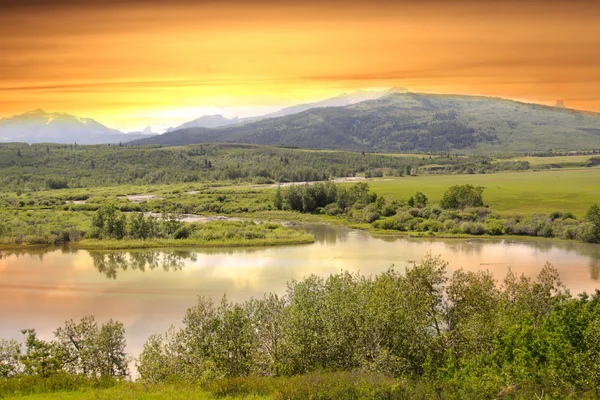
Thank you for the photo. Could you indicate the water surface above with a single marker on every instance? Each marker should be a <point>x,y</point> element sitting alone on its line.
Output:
<point>150,290</point>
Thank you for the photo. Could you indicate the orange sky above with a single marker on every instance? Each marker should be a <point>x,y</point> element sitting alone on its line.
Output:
<point>132,63</point>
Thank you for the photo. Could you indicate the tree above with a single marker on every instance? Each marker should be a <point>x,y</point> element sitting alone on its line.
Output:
<point>78,343</point>
<point>91,350</point>
<point>420,200</point>
<point>461,196</point>
<point>41,358</point>
<point>278,202</point>
<point>112,358</point>
<point>293,198</point>
<point>593,217</point>
<point>109,223</point>
<point>10,353</point>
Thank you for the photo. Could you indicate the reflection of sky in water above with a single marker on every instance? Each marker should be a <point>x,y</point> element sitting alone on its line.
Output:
<point>43,290</point>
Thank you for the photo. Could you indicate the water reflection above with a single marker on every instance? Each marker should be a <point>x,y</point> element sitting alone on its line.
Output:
<point>110,263</point>
<point>150,289</point>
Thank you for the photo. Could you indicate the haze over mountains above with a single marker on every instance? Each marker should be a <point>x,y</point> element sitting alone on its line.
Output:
<point>41,127</point>
<point>394,120</point>
<point>413,122</point>
<point>218,121</point>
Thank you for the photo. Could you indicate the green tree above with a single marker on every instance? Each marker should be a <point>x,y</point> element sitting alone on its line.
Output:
<point>420,200</point>
<point>41,358</point>
<point>278,201</point>
<point>461,196</point>
<point>10,354</point>
<point>593,217</point>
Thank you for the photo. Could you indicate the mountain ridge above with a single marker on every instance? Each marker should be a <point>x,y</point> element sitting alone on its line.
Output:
<point>414,122</point>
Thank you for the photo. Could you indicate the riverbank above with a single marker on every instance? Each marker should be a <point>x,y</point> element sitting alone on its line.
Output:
<point>112,244</point>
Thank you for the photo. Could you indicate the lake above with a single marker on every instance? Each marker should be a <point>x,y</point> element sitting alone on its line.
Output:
<point>150,290</point>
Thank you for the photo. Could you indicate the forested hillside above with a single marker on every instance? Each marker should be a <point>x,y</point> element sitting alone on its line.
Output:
<point>35,167</point>
<point>409,122</point>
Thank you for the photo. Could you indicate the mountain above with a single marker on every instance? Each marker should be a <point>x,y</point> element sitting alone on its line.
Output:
<point>207,121</point>
<point>218,121</point>
<point>41,127</point>
<point>414,122</point>
<point>342,100</point>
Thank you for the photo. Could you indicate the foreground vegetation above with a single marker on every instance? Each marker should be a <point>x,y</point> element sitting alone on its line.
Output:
<point>418,334</point>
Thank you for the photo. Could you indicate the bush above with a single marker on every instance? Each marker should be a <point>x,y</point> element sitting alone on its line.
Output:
<point>332,209</point>
<point>587,232</point>
<point>390,223</point>
<point>493,227</point>
<point>183,232</point>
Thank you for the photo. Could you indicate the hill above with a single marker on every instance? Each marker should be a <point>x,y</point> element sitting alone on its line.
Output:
<point>345,99</point>
<point>41,127</point>
<point>412,122</point>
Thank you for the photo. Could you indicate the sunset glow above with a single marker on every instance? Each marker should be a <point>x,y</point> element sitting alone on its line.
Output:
<point>134,63</point>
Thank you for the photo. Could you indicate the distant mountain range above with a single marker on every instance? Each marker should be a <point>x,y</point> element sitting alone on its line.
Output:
<point>402,121</point>
<point>394,120</point>
<point>41,127</point>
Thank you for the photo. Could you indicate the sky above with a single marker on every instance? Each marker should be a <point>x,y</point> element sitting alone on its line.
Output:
<point>133,63</point>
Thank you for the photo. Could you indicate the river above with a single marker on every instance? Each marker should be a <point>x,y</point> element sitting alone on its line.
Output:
<point>150,290</point>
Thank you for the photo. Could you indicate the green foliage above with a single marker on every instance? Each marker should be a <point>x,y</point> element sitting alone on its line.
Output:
<point>461,196</point>
<point>10,354</point>
<point>80,349</point>
<point>592,229</point>
<point>462,336</point>
<point>278,201</point>
<point>483,221</point>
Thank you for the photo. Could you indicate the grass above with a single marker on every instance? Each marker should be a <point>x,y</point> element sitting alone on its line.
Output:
<point>524,192</point>
<point>93,244</point>
<point>555,160</point>
<point>135,391</point>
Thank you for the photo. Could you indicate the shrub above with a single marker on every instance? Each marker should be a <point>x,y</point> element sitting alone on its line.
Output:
<point>183,232</point>
<point>332,209</point>
<point>587,232</point>
<point>493,227</point>
<point>390,223</point>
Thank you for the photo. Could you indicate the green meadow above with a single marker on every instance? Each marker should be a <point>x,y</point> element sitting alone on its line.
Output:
<point>134,391</point>
<point>573,190</point>
<point>578,160</point>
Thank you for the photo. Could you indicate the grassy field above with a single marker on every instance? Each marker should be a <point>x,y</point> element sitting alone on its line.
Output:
<point>133,392</point>
<point>556,160</point>
<point>525,192</point>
